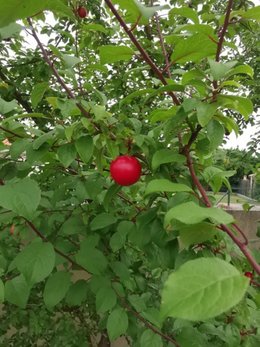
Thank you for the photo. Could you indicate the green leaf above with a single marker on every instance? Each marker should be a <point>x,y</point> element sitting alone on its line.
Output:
<point>219,70</point>
<point>252,13</point>
<point>102,220</point>
<point>67,154</point>
<point>7,106</point>
<point>17,291</point>
<point>191,213</point>
<point>162,114</point>
<point>2,291</point>
<point>193,49</point>
<point>77,293</point>
<point>198,233</point>
<point>237,103</point>
<point>95,27</point>
<point>70,60</point>
<point>56,288</point>
<point>38,92</point>
<point>185,12</point>
<point>23,9</point>
<point>150,339</point>
<point>111,54</point>
<point>105,300</point>
<point>84,146</point>
<point>92,259</point>
<point>22,197</point>
<point>28,8</point>
<point>165,156</point>
<point>205,112</point>
<point>117,323</point>
<point>36,261</point>
<point>201,289</point>
<point>146,11</point>
<point>164,185</point>
<point>241,69</point>
<point>10,30</point>
<point>192,337</point>
<point>215,132</point>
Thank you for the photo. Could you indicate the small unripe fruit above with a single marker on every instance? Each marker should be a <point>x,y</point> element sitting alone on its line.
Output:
<point>249,274</point>
<point>125,170</point>
<point>82,12</point>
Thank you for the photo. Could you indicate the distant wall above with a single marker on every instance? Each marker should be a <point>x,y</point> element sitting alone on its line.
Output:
<point>248,221</point>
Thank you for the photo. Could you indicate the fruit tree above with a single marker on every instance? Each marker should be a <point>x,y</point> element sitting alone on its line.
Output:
<point>110,114</point>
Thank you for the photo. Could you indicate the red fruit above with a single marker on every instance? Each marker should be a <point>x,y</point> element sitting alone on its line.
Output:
<point>125,170</point>
<point>249,274</point>
<point>82,12</point>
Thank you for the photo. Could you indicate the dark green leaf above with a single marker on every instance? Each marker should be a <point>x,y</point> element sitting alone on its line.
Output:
<point>84,146</point>
<point>17,291</point>
<point>56,288</point>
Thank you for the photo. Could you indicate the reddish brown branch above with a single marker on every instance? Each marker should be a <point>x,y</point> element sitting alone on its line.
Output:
<point>224,29</point>
<point>223,227</point>
<point>10,132</point>
<point>146,323</point>
<point>143,52</point>
<point>65,256</point>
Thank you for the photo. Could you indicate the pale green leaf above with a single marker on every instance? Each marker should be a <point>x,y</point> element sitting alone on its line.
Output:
<point>38,92</point>
<point>201,289</point>
<point>219,70</point>
<point>164,185</point>
<point>22,197</point>
<point>237,103</point>
<point>56,288</point>
<point>166,156</point>
<point>7,106</point>
<point>111,54</point>
<point>185,12</point>
<point>36,261</point>
<point>117,323</point>
<point>191,213</point>
<point>70,60</point>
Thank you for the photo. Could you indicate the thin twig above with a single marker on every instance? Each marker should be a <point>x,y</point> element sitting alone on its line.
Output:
<point>143,52</point>
<point>163,45</point>
<point>57,75</point>
<point>224,29</point>
<point>11,132</point>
